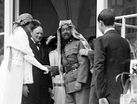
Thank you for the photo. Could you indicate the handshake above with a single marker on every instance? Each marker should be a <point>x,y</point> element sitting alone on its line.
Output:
<point>54,70</point>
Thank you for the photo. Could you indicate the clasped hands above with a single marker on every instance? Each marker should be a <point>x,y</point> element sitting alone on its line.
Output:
<point>45,69</point>
<point>54,70</point>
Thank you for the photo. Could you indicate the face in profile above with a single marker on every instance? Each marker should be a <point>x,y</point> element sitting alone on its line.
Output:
<point>37,34</point>
<point>66,32</point>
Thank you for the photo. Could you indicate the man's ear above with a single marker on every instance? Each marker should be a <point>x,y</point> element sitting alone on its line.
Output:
<point>102,23</point>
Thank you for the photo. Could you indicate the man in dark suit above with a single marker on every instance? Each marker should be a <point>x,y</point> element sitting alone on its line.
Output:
<point>39,91</point>
<point>112,57</point>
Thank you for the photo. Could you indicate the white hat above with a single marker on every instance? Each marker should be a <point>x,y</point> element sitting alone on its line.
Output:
<point>65,22</point>
<point>24,18</point>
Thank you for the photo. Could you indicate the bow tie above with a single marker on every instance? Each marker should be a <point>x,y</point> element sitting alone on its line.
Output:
<point>38,44</point>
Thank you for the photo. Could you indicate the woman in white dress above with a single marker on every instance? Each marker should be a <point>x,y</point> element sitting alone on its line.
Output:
<point>16,68</point>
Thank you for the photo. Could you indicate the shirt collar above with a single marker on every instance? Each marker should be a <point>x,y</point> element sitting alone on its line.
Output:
<point>111,28</point>
<point>33,40</point>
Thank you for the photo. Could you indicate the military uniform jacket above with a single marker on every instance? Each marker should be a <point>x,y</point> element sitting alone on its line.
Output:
<point>81,72</point>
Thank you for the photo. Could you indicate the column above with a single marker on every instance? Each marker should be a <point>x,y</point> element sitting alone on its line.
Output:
<point>16,11</point>
<point>101,4</point>
<point>8,19</point>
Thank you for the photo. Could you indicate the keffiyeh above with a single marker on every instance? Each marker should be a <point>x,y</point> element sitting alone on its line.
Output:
<point>74,32</point>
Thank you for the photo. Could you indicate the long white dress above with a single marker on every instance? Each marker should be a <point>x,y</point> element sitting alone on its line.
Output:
<point>16,68</point>
<point>13,80</point>
<point>59,91</point>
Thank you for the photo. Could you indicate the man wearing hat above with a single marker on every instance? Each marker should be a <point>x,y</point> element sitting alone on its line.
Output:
<point>77,75</point>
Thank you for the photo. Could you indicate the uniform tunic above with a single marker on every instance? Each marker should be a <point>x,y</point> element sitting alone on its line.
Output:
<point>77,70</point>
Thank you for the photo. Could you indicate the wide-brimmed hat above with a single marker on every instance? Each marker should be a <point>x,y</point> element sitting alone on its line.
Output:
<point>24,19</point>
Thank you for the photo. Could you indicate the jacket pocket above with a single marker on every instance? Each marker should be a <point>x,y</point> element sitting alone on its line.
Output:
<point>70,51</point>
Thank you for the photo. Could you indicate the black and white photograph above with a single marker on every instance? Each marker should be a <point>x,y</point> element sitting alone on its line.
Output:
<point>68,52</point>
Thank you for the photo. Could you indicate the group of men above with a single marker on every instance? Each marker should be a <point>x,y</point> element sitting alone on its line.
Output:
<point>84,84</point>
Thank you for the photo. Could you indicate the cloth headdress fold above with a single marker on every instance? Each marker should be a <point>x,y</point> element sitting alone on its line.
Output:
<point>65,22</point>
<point>24,19</point>
<point>74,32</point>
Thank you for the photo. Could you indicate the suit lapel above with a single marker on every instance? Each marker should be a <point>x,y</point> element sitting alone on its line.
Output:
<point>34,48</point>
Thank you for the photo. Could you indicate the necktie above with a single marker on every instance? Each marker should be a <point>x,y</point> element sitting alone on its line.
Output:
<point>37,45</point>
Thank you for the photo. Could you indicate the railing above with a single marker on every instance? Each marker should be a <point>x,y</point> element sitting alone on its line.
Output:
<point>126,25</point>
<point>126,16</point>
<point>123,24</point>
<point>123,31</point>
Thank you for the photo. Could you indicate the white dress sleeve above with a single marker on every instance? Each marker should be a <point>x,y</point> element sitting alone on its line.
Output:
<point>34,62</point>
<point>19,40</point>
<point>53,58</point>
